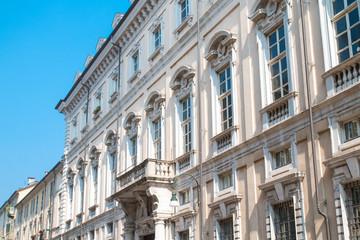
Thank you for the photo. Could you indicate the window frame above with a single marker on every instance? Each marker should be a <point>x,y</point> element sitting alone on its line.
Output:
<point>224,96</point>
<point>186,124</point>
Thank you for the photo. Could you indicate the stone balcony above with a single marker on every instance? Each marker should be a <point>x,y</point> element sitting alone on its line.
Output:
<point>150,170</point>
<point>342,76</point>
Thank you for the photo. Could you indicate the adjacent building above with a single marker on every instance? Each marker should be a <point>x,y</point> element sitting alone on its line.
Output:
<point>9,213</point>
<point>37,212</point>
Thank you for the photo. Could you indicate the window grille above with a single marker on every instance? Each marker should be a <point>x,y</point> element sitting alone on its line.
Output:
<point>353,209</point>
<point>226,229</point>
<point>284,221</point>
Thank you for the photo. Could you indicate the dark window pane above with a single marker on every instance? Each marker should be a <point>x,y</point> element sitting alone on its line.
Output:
<point>229,99</point>
<point>284,78</point>
<point>275,69</point>
<point>228,72</point>
<point>350,2</point>
<point>276,83</point>
<point>286,89</point>
<point>338,6</point>
<point>354,17</point>
<point>355,48</point>
<point>355,33</point>
<point>283,64</point>
<point>282,45</point>
<point>344,55</point>
<point>277,95</point>
<point>272,39</point>
<point>273,52</point>
<point>342,41</point>
<point>341,25</point>
<point>229,84</point>
<point>281,32</point>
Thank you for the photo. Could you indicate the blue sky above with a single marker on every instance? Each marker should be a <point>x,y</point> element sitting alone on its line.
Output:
<point>42,45</point>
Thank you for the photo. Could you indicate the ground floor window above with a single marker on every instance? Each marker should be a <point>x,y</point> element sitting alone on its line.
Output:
<point>226,229</point>
<point>284,221</point>
<point>184,235</point>
<point>353,209</point>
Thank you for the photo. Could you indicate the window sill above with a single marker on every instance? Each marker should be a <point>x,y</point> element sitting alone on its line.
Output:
<point>184,207</point>
<point>97,115</point>
<point>226,199</point>
<point>285,178</point>
<point>349,144</point>
<point>186,157</point>
<point>135,76</point>
<point>224,140</point>
<point>281,170</point>
<point>157,51</point>
<point>113,97</point>
<point>279,110</point>
<point>183,24</point>
<point>73,141</point>
<point>93,207</point>
<point>84,129</point>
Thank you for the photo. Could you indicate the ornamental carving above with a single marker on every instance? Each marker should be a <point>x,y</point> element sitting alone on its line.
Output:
<point>132,125</point>
<point>182,82</point>
<point>267,13</point>
<point>80,166</point>
<point>220,50</point>
<point>70,177</point>
<point>155,105</point>
<point>94,156</point>
<point>111,142</point>
<point>145,227</point>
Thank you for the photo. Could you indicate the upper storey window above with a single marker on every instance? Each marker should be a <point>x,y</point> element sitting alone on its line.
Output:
<point>225,99</point>
<point>278,63</point>
<point>134,63</point>
<point>156,39</point>
<point>347,28</point>
<point>278,94</point>
<point>132,128</point>
<point>220,53</point>
<point>184,10</point>
<point>352,129</point>
<point>155,112</point>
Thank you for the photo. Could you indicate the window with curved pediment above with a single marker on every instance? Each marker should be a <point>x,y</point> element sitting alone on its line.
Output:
<point>94,161</point>
<point>183,86</point>
<point>220,54</point>
<point>155,111</point>
<point>70,184</point>
<point>132,129</point>
<point>111,143</point>
<point>80,166</point>
<point>273,23</point>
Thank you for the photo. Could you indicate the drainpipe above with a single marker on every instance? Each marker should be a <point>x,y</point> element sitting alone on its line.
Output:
<point>311,122</point>
<point>199,119</point>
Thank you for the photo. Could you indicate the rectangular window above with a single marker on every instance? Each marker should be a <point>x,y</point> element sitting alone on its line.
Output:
<point>226,229</point>
<point>113,173</point>
<point>282,158</point>
<point>184,10</point>
<point>74,129</point>
<point>92,235</point>
<point>81,188</point>
<point>278,63</point>
<point>184,197</point>
<point>353,209</point>
<point>184,235</point>
<point>109,228</point>
<point>225,99</point>
<point>42,200</point>
<point>284,221</point>
<point>157,138</point>
<point>347,28</point>
<point>135,61</point>
<point>37,204</point>
<point>84,118</point>
<point>95,180</point>
<point>225,181</point>
<point>186,124</point>
<point>133,150</point>
<point>352,129</point>
<point>157,37</point>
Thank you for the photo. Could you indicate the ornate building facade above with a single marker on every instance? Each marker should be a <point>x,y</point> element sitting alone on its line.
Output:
<point>247,112</point>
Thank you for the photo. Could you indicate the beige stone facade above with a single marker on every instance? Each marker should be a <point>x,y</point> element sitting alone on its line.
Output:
<point>257,100</point>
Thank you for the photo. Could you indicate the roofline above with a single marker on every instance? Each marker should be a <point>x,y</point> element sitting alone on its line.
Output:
<point>17,191</point>
<point>38,183</point>
<point>98,53</point>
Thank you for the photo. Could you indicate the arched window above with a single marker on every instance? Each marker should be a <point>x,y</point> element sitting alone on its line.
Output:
<point>155,110</point>
<point>94,160</point>
<point>183,86</point>
<point>80,166</point>
<point>111,143</point>
<point>131,126</point>
<point>220,54</point>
